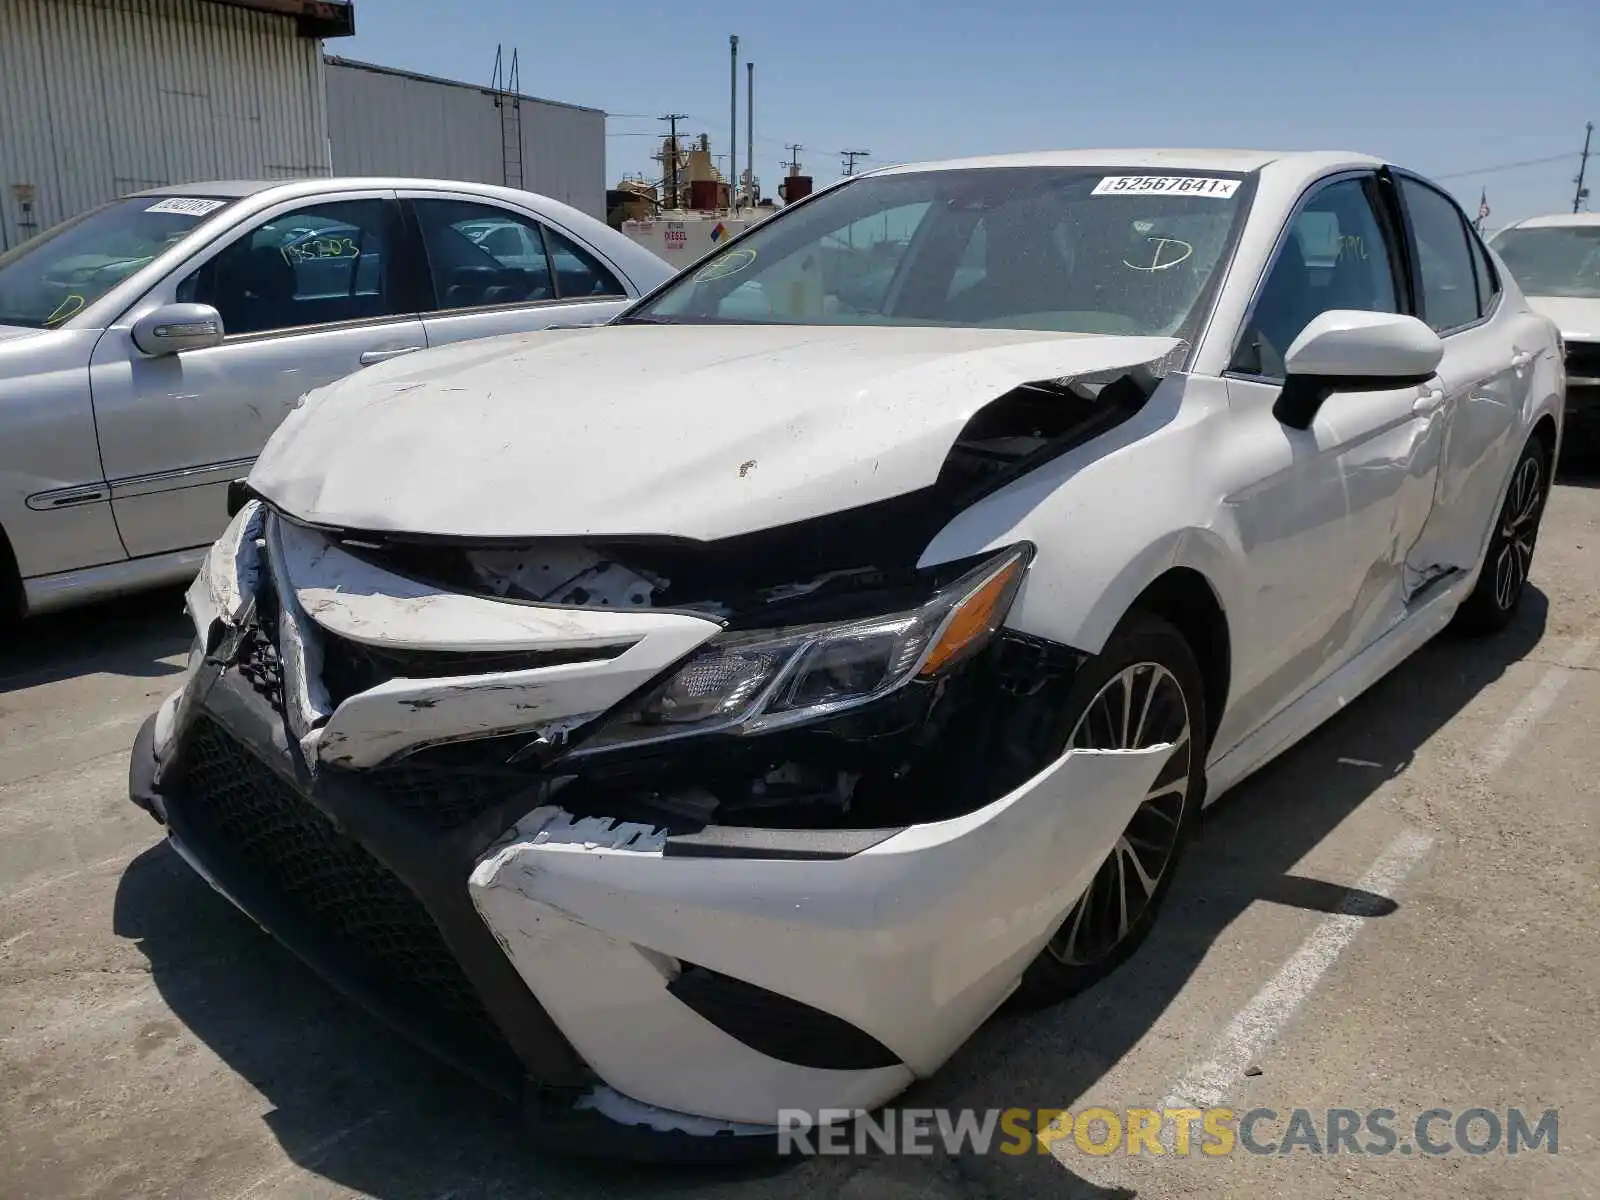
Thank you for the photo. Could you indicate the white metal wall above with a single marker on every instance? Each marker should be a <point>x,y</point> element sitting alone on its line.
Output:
<point>383,122</point>
<point>103,97</point>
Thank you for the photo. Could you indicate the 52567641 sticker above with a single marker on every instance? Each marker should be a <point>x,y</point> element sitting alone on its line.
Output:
<point>1165,185</point>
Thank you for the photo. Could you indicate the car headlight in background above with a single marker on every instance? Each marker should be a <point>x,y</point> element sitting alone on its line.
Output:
<point>758,681</point>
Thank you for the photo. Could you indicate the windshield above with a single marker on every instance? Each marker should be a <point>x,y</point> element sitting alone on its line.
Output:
<point>56,275</point>
<point>1070,249</point>
<point>1553,260</point>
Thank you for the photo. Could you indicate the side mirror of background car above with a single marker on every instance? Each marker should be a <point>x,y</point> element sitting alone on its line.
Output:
<point>174,328</point>
<point>1352,350</point>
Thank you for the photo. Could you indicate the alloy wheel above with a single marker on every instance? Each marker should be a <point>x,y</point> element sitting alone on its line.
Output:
<point>1519,529</point>
<point>1140,707</point>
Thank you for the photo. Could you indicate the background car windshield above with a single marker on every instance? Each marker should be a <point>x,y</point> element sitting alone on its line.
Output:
<point>1023,248</point>
<point>55,276</point>
<point>1557,260</point>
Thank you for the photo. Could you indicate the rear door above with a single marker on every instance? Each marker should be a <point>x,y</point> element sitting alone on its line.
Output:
<point>1483,380</point>
<point>311,291</point>
<point>497,269</point>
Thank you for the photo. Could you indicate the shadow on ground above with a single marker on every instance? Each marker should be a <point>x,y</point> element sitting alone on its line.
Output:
<point>126,636</point>
<point>360,1109</point>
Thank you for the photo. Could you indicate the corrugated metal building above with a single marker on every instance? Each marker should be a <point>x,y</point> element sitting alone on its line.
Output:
<point>99,98</point>
<point>103,97</point>
<point>388,122</point>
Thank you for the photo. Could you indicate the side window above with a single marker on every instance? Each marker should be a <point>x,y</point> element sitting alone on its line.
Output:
<point>1334,256</point>
<point>481,255</point>
<point>320,265</point>
<point>579,274</point>
<point>1488,282</point>
<point>1449,289</point>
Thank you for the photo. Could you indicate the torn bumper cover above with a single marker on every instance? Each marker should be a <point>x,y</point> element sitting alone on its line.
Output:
<point>517,832</point>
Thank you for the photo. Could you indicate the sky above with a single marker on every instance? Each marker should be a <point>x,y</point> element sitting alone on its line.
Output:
<point>1447,89</point>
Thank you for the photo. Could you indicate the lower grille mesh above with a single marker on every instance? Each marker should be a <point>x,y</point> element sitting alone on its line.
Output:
<point>243,811</point>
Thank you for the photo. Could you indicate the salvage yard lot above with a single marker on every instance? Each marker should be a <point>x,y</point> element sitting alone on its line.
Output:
<point>154,1043</point>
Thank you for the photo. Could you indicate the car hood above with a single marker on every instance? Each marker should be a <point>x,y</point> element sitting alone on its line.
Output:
<point>691,431</point>
<point>12,332</point>
<point>1576,317</point>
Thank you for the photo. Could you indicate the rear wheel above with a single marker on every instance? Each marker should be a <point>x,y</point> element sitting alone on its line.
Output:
<point>1509,558</point>
<point>1143,690</point>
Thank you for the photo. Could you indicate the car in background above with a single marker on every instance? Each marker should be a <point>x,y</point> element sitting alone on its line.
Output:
<point>1556,262</point>
<point>726,709</point>
<point>150,346</point>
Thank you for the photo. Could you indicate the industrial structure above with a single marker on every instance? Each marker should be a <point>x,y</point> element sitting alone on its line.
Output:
<point>99,98</point>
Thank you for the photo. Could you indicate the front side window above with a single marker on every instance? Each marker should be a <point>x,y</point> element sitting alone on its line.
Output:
<point>1553,260</point>
<point>1449,285</point>
<point>1334,256</point>
<point>1055,248</point>
<point>55,276</point>
<point>319,265</point>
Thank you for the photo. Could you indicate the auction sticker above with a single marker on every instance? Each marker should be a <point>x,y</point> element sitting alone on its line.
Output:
<point>730,263</point>
<point>1165,185</point>
<point>188,206</point>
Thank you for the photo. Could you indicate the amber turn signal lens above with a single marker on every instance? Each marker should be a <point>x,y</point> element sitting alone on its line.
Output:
<point>975,618</point>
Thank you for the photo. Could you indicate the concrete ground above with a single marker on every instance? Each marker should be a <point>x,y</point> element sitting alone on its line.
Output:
<point>1401,913</point>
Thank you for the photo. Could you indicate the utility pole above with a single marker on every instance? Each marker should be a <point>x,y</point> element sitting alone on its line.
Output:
<point>1582,193</point>
<point>750,134</point>
<point>850,157</point>
<point>733,117</point>
<point>671,173</point>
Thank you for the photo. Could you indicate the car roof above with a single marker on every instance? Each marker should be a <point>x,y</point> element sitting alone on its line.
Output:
<point>240,188</point>
<point>1555,221</point>
<point>1311,161</point>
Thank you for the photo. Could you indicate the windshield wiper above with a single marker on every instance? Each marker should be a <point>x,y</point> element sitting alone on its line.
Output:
<point>646,319</point>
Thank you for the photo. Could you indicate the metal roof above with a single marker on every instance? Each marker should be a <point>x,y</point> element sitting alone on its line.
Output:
<point>312,18</point>
<point>334,60</point>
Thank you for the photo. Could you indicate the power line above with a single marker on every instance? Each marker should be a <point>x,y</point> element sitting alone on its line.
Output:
<point>1511,166</point>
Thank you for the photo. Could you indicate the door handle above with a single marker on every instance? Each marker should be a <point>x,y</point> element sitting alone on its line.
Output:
<point>1428,402</point>
<point>377,356</point>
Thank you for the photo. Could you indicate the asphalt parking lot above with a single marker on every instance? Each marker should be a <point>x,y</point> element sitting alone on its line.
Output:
<point>1403,912</point>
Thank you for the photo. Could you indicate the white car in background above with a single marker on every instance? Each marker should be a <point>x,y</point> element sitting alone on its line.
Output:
<point>149,347</point>
<point>1556,262</point>
<point>709,714</point>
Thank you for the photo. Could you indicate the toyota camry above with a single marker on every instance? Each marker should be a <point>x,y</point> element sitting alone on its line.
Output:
<point>727,709</point>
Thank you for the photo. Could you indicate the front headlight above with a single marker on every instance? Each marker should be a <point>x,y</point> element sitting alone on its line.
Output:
<point>754,682</point>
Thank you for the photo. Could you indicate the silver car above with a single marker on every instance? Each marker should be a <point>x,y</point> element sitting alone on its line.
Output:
<point>150,346</point>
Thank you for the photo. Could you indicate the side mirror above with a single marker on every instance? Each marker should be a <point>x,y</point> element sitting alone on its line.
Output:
<point>174,328</point>
<point>1352,350</point>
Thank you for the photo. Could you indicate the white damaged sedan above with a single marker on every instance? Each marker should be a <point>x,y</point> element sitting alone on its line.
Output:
<point>723,711</point>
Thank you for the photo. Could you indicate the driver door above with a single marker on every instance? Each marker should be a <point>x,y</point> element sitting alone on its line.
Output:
<point>1327,514</point>
<point>309,293</point>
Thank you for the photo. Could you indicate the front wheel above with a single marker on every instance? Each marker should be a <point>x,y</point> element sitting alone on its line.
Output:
<point>1143,690</point>
<point>1509,558</point>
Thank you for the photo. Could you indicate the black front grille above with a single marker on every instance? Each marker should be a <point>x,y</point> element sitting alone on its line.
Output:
<point>241,812</point>
<point>443,796</point>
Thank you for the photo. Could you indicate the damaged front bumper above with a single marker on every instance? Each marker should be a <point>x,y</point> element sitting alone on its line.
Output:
<point>373,769</point>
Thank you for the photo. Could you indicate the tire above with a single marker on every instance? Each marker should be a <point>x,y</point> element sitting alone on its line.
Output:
<point>1507,561</point>
<point>1091,941</point>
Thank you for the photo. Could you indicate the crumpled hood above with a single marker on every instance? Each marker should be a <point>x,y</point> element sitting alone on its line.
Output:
<point>691,431</point>
<point>1577,318</point>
